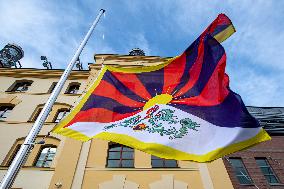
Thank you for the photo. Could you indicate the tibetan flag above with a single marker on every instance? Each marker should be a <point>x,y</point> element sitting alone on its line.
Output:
<point>182,109</point>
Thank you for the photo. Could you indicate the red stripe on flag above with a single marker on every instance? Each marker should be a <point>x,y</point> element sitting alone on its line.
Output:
<point>222,19</point>
<point>133,83</point>
<point>173,73</point>
<point>215,91</point>
<point>106,89</point>
<point>98,115</point>
<point>194,72</point>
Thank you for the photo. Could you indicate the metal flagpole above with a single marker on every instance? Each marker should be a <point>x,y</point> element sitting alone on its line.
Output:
<point>30,139</point>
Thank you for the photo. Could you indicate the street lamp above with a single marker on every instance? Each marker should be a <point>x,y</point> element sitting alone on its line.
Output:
<point>10,56</point>
<point>79,64</point>
<point>46,63</point>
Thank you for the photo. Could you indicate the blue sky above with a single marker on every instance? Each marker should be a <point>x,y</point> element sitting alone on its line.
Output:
<point>164,28</point>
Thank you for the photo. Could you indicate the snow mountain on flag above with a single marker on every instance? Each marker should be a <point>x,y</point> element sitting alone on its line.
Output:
<point>182,109</point>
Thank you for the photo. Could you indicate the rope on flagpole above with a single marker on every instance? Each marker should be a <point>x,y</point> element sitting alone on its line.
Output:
<point>29,142</point>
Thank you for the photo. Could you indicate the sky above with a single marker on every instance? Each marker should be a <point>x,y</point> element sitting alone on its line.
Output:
<point>255,56</point>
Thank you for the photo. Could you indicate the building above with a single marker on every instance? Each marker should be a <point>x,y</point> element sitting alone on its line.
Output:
<point>65,163</point>
<point>261,166</point>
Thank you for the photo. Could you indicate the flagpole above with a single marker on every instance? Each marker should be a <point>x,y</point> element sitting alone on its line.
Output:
<point>28,144</point>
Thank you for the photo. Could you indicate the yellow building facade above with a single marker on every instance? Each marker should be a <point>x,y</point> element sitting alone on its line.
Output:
<point>65,163</point>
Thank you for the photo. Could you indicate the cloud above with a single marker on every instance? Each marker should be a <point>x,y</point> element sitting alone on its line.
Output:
<point>256,89</point>
<point>258,24</point>
<point>56,28</point>
<point>41,28</point>
<point>137,40</point>
<point>255,53</point>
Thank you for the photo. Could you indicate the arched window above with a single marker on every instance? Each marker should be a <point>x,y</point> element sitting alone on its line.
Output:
<point>61,113</point>
<point>40,156</point>
<point>45,156</point>
<point>20,86</point>
<point>163,163</point>
<point>59,110</point>
<point>73,88</point>
<point>5,110</point>
<point>120,156</point>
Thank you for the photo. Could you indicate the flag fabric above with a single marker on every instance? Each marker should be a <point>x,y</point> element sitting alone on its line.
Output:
<point>221,28</point>
<point>182,109</point>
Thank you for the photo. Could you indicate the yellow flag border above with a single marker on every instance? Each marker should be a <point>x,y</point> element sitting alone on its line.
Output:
<point>163,151</point>
<point>166,151</point>
<point>225,34</point>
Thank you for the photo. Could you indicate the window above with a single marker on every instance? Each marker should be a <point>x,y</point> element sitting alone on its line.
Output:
<point>59,111</point>
<point>267,170</point>
<point>5,111</point>
<point>120,156</point>
<point>240,171</point>
<point>21,86</point>
<point>41,155</point>
<point>163,163</point>
<point>60,115</point>
<point>46,156</point>
<point>53,85</point>
<point>73,88</point>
